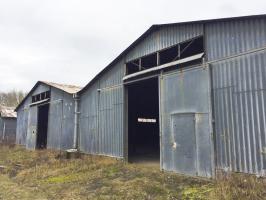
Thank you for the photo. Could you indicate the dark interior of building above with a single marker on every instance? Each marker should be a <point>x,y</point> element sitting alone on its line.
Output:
<point>43,111</point>
<point>143,121</point>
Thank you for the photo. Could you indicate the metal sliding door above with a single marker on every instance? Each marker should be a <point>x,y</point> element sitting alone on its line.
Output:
<point>186,143</point>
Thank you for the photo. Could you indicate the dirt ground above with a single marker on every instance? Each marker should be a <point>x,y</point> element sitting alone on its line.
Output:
<point>49,175</point>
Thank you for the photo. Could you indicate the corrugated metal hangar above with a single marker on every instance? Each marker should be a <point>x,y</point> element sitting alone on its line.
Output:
<point>8,119</point>
<point>45,117</point>
<point>190,96</point>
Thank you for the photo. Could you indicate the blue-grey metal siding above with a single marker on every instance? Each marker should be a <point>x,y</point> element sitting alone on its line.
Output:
<point>88,121</point>
<point>60,120</point>
<point>22,125</point>
<point>8,130</point>
<point>183,93</point>
<point>163,38</point>
<point>238,103</point>
<point>111,121</point>
<point>239,106</point>
<point>101,118</point>
<point>22,118</point>
<point>232,37</point>
<point>1,128</point>
<point>32,128</point>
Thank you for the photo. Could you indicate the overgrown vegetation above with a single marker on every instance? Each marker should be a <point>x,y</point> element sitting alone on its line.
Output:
<point>48,175</point>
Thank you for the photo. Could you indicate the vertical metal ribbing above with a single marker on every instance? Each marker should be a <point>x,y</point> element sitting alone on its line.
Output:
<point>160,87</point>
<point>247,114</point>
<point>236,116</point>
<point>225,159</point>
<point>227,114</point>
<point>253,89</point>
<point>263,63</point>
<point>4,131</point>
<point>76,122</point>
<point>256,77</point>
<point>240,106</point>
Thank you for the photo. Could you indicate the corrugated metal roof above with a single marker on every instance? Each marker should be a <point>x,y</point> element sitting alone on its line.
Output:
<point>70,89</point>
<point>7,111</point>
<point>155,27</point>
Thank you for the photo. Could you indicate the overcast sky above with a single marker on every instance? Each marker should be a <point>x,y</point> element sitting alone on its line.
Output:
<point>70,41</point>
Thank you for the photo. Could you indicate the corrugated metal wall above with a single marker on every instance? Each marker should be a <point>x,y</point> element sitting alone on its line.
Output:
<point>222,39</point>
<point>111,121</point>
<point>60,120</point>
<point>238,91</point>
<point>8,130</point>
<point>101,119</point>
<point>239,105</point>
<point>88,121</point>
<point>22,122</point>
<point>1,128</point>
<point>32,128</point>
<point>163,38</point>
<point>233,37</point>
<point>185,100</point>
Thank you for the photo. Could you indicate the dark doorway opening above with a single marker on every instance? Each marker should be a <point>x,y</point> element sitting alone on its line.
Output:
<point>43,111</point>
<point>143,121</point>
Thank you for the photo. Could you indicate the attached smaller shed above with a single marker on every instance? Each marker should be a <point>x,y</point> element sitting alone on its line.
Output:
<point>46,116</point>
<point>8,121</point>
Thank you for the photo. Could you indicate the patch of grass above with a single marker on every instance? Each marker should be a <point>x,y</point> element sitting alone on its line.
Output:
<point>60,179</point>
<point>239,186</point>
<point>48,175</point>
<point>199,193</point>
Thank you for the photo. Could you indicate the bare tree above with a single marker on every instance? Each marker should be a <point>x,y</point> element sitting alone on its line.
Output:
<point>12,98</point>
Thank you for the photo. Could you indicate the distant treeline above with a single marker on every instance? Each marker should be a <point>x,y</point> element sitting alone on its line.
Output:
<point>12,98</point>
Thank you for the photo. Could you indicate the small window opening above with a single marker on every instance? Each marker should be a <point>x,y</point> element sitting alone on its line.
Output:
<point>149,61</point>
<point>133,66</point>
<point>40,97</point>
<point>169,55</point>
<point>47,95</point>
<point>182,50</point>
<point>191,47</point>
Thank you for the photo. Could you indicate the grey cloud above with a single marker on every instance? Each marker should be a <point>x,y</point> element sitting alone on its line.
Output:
<point>71,41</point>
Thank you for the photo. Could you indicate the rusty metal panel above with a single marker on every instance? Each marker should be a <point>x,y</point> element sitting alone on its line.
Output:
<point>239,110</point>
<point>185,92</point>
<point>32,128</point>
<point>230,37</point>
<point>165,37</point>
